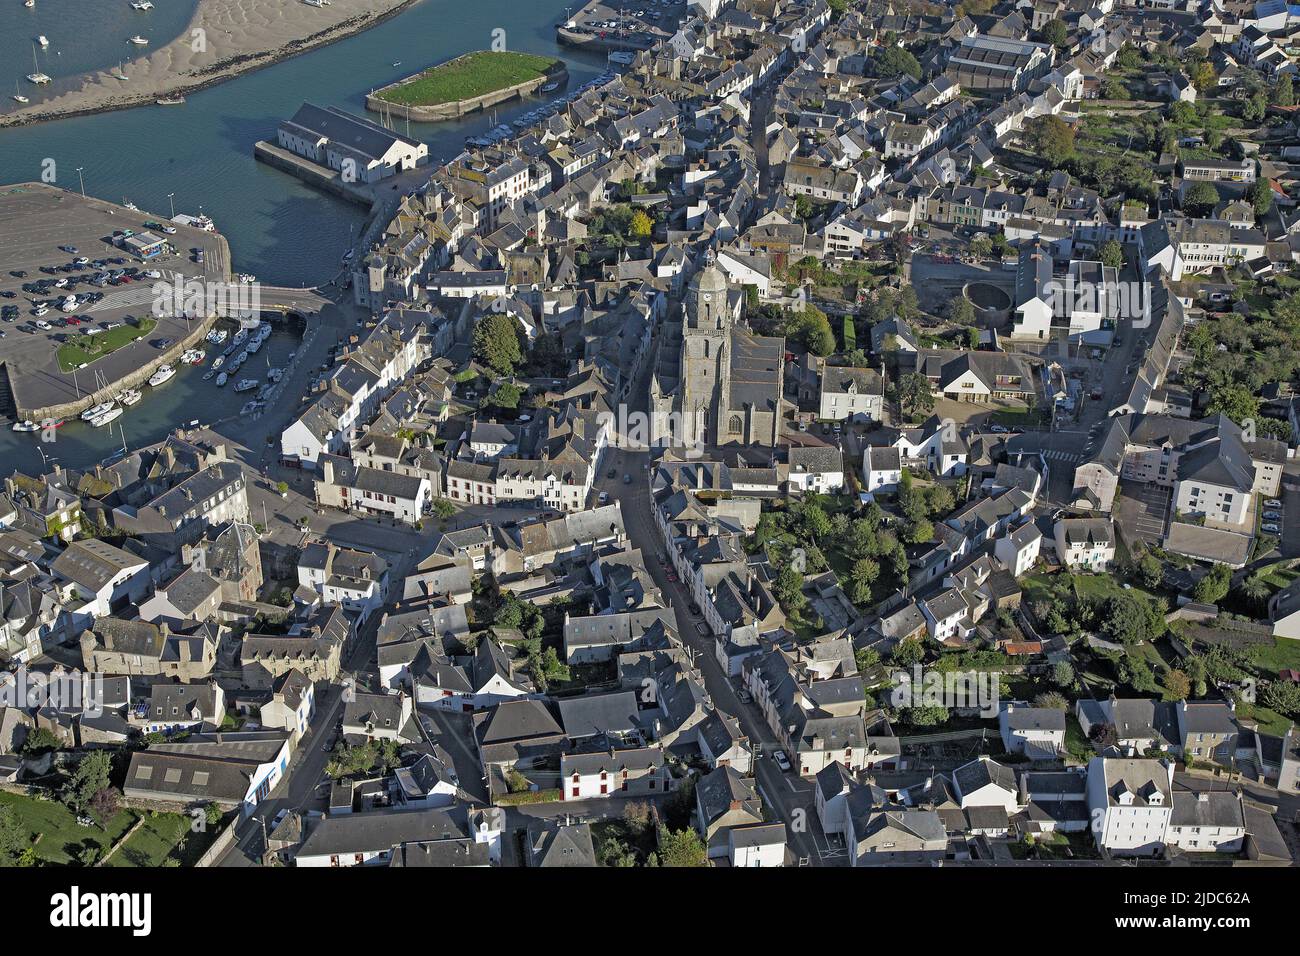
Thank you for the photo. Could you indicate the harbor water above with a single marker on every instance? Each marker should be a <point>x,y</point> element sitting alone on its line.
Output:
<point>201,153</point>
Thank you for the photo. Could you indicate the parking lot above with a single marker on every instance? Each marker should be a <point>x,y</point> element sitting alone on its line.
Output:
<point>639,21</point>
<point>56,244</point>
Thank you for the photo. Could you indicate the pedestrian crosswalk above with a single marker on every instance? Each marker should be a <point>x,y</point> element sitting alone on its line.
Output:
<point>1060,454</point>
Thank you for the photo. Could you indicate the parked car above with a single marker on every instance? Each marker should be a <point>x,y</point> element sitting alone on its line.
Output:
<point>1272,503</point>
<point>1271,528</point>
<point>782,761</point>
<point>1273,515</point>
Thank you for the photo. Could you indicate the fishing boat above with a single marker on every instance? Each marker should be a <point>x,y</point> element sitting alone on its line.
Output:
<point>95,410</point>
<point>217,336</point>
<point>112,415</point>
<point>247,385</point>
<point>222,379</point>
<point>239,337</point>
<point>552,86</point>
<point>251,407</point>
<point>120,74</point>
<point>138,40</point>
<point>170,100</point>
<point>192,356</point>
<point>27,426</point>
<point>129,205</point>
<point>164,374</point>
<point>347,256</point>
<point>198,222</point>
<point>274,374</point>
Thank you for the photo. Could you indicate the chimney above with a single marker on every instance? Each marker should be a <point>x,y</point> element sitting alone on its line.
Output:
<point>327,471</point>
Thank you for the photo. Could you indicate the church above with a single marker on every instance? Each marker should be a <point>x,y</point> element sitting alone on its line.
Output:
<point>716,383</point>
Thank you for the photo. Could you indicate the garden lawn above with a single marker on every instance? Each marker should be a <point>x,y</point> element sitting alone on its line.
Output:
<point>61,835</point>
<point>474,74</point>
<point>1282,655</point>
<point>87,348</point>
<point>158,838</point>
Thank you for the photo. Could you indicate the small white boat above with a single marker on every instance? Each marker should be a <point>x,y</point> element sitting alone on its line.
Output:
<point>217,336</point>
<point>139,40</point>
<point>251,407</point>
<point>274,374</point>
<point>29,3</point>
<point>130,397</point>
<point>246,385</point>
<point>27,426</point>
<point>18,96</point>
<point>141,5</point>
<point>192,356</point>
<point>255,345</point>
<point>112,415</point>
<point>43,41</point>
<point>129,205</point>
<point>239,336</point>
<point>95,410</point>
<point>222,379</point>
<point>164,374</point>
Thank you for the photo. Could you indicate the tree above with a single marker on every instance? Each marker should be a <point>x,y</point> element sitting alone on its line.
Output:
<point>1261,197</point>
<point>496,342</point>
<point>13,838</point>
<point>908,652</point>
<point>811,326</point>
<point>90,776</point>
<point>1063,674</point>
<point>641,224</point>
<point>1282,696</point>
<point>919,531</point>
<point>1176,685</point>
<point>788,589</point>
<point>1149,571</point>
<point>961,310</point>
<point>1112,254</point>
<point>1052,700</point>
<point>507,395</point>
<point>866,658</point>
<point>981,247</point>
<point>1255,108</point>
<point>1212,588</point>
<point>38,741</point>
<point>1201,198</point>
<point>1056,33</point>
<point>1236,401</point>
<point>103,805</point>
<point>914,394</point>
<point>1284,91</point>
<point>1130,620</point>
<point>1052,138</point>
<point>1104,736</point>
<point>892,61</point>
<point>680,848</point>
<point>864,574</point>
<point>1254,589</point>
<point>925,716</point>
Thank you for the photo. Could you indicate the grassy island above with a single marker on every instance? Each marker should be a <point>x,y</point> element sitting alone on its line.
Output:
<point>474,74</point>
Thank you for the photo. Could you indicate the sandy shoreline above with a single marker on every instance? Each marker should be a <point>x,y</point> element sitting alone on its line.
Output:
<point>241,36</point>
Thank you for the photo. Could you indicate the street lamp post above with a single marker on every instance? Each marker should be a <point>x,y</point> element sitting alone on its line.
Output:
<point>171,203</point>
<point>81,179</point>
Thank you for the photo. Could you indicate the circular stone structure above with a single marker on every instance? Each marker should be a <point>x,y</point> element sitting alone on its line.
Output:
<point>992,303</point>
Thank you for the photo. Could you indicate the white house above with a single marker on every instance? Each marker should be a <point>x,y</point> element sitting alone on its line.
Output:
<point>757,845</point>
<point>1018,550</point>
<point>882,469</point>
<point>1085,543</point>
<point>1036,732</point>
<point>1131,802</point>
